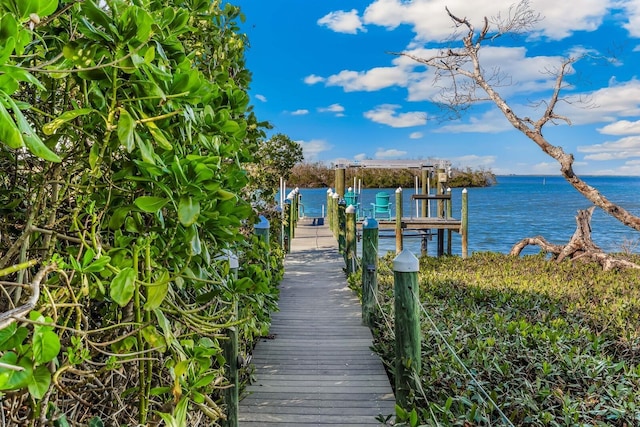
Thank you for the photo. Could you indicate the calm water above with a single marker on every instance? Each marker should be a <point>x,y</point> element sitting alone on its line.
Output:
<point>518,207</point>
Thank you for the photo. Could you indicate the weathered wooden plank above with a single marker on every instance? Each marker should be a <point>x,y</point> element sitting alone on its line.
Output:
<point>317,367</point>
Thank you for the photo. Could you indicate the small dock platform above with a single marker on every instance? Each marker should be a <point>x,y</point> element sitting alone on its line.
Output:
<point>316,367</point>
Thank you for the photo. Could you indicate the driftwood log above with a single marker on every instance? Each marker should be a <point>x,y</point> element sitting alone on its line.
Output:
<point>580,246</point>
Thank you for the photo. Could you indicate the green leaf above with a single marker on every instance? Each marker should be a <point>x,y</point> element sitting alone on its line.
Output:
<point>98,265</point>
<point>95,422</point>
<point>9,132</point>
<point>40,382</point>
<point>13,380</point>
<point>46,345</point>
<point>158,135</point>
<point>195,247</point>
<point>204,381</point>
<point>157,291</point>
<point>150,204</point>
<point>123,286</point>
<point>188,210</point>
<point>118,217</point>
<point>126,130</point>
<point>51,127</point>
<point>30,138</point>
<point>12,336</point>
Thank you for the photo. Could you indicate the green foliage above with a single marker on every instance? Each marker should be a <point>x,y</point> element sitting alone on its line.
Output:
<point>274,159</point>
<point>125,135</point>
<point>317,175</point>
<point>552,343</point>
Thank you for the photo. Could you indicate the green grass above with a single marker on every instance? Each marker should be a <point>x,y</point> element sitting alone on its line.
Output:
<point>552,344</point>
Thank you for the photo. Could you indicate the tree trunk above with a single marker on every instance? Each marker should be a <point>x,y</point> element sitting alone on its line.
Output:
<point>580,246</point>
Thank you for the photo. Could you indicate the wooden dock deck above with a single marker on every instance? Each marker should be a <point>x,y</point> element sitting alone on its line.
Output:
<point>316,368</point>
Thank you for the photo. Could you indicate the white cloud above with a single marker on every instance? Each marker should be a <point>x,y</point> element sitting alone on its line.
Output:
<point>361,156</point>
<point>313,79</point>
<point>621,127</point>
<point>261,98</point>
<point>371,80</point>
<point>430,22</point>
<point>312,149</point>
<point>391,153</point>
<point>333,108</point>
<point>416,135</point>
<point>474,161</point>
<point>490,122</point>
<point>343,22</point>
<point>607,104</point>
<point>623,148</point>
<point>386,114</point>
<point>300,112</point>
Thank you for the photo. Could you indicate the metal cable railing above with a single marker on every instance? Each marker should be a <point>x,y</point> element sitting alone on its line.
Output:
<point>483,394</point>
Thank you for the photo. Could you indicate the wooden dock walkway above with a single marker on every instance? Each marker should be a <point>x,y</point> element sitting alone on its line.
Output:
<point>316,368</point>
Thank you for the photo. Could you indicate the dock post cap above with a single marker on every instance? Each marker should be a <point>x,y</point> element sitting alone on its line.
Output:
<point>263,223</point>
<point>335,196</point>
<point>350,209</point>
<point>369,223</point>
<point>330,190</point>
<point>228,255</point>
<point>399,190</point>
<point>406,262</point>
<point>464,190</point>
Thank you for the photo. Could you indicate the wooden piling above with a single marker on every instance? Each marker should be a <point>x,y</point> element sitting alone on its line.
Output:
<point>369,271</point>
<point>407,325</point>
<point>398,220</point>
<point>464,227</point>
<point>425,189</point>
<point>449,215</point>
<point>340,178</point>
<point>230,350</point>
<point>287,226</point>
<point>334,209</point>
<point>350,244</point>
<point>342,226</point>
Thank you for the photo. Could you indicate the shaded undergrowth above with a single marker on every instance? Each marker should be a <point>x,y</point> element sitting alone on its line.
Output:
<point>547,343</point>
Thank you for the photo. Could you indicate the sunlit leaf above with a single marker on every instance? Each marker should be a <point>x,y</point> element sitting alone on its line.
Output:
<point>46,345</point>
<point>40,382</point>
<point>123,286</point>
<point>157,291</point>
<point>188,210</point>
<point>150,204</point>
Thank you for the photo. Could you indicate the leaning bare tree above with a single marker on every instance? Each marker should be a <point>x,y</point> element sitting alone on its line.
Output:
<point>462,67</point>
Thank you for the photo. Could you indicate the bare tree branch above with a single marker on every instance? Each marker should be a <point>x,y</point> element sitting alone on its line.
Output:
<point>463,68</point>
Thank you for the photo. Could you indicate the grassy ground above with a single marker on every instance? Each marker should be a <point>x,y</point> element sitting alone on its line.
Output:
<point>523,339</point>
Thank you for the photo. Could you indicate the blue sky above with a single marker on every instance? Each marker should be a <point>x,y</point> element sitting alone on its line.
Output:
<point>323,76</point>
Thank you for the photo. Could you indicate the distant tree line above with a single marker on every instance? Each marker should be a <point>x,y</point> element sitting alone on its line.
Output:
<point>318,175</point>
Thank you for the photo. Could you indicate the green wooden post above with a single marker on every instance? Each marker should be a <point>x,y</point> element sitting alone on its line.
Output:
<point>449,215</point>
<point>398,220</point>
<point>369,270</point>
<point>336,220</point>
<point>350,249</point>
<point>287,226</point>
<point>442,180</point>
<point>294,213</point>
<point>464,218</point>
<point>262,230</point>
<point>230,351</point>
<point>340,177</point>
<point>407,325</point>
<point>342,226</point>
<point>327,210</point>
<point>292,217</point>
